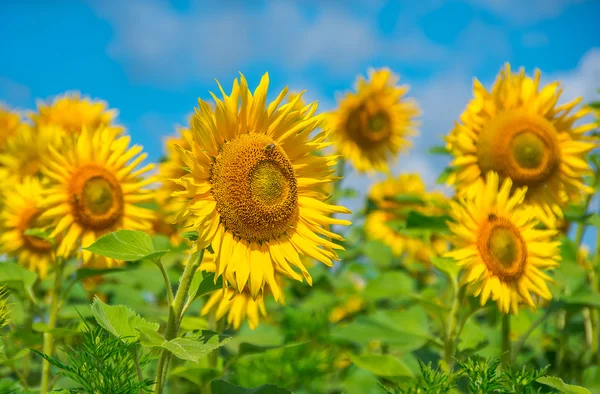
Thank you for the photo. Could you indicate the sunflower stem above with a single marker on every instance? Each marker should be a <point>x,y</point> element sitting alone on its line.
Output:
<point>48,346</point>
<point>450,339</point>
<point>175,316</point>
<point>506,359</point>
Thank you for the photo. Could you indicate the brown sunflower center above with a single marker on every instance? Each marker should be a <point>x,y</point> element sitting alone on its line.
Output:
<point>254,186</point>
<point>30,221</point>
<point>502,248</point>
<point>96,198</point>
<point>521,146</point>
<point>368,126</point>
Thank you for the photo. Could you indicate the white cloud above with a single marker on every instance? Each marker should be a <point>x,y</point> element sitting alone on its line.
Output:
<point>526,12</point>
<point>158,43</point>
<point>584,81</point>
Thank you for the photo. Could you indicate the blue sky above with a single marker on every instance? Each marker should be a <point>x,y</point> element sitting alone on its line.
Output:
<point>153,59</point>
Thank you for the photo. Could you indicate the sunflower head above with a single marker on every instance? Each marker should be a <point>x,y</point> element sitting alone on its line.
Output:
<point>20,213</point>
<point>73,113</point>
<point>95,186</point>
<point>25,151</point>
<point>10,122</point>
<point>394,199</point>
<point>520,132</point>
<point>371,126</point>
<point>253,190</point>
<point>498,245</point>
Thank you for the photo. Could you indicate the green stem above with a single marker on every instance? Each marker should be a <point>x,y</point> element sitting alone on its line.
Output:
<point>175,316</point>
<point>450,340</point>
<point>506,340</point>
<point>48,346</point>
<point>167,282</point>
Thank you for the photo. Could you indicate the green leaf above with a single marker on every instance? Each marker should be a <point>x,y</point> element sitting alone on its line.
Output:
<point>203,283</point>
<point>84,273</point>
<point>190,235</point>
<point>407,199</point>
<point>39,233</point>
<point>126,245</point>
<point>575,213</point>
<point>435,223</point>
<point>222,387</point>
<point>438,150</point>
<point>389,285</point>
<point>121,321</point>
<point>382,365</point>
<point>191,347</point>
<point>445,174</point>
<point>447,266</point>
<point>378,253</point>
<point>558,384</point>
<point>585,299</point>
<point>594,220</point>
<point>20,276</point>
<point>249,348</point>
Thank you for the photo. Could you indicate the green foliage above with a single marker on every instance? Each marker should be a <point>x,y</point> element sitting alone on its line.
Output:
<point>481,376</point>
<point>204,283</point>
<point>191,347</point>
<point>19,278</point>
<point>126,245</point>
<point>103,364</point>
<point>561,386</point>
<point>222,387</point>
<point>432,381</point>
<point>121,321</point>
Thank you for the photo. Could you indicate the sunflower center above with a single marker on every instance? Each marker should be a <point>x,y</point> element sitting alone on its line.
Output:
<point>267,183</point>
<point>521,146</point>
<point>255,188</point>
<point>98,195</point>
<point>35,244</point>
<point>502,248</point>
<point>368,126</point>
<point>96,198</point>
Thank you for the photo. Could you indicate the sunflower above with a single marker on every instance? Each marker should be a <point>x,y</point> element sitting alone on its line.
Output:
<point>73,113</point>
<point>25,151</point>
<point>371,126</point>
<point>20,213</point>
<point>394,198</point>
<point>10,122</point>
<point>251,188</point>
<point>94,188</point>
<point>519,131</point>
<point>499,246</point>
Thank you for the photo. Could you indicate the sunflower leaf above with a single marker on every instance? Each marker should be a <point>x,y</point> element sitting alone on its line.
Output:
<point>204,283</point>
<point>558,384</point>
<point>121,321</point>
<point>126,245</point>
<point>16,276</point>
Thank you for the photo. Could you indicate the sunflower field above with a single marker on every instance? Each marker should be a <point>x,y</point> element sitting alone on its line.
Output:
<point>233,265</point>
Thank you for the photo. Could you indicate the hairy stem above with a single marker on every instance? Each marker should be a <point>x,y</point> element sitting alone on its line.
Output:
<point>48,347</point>
<point>167,282</point>
<point>175,316</point>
